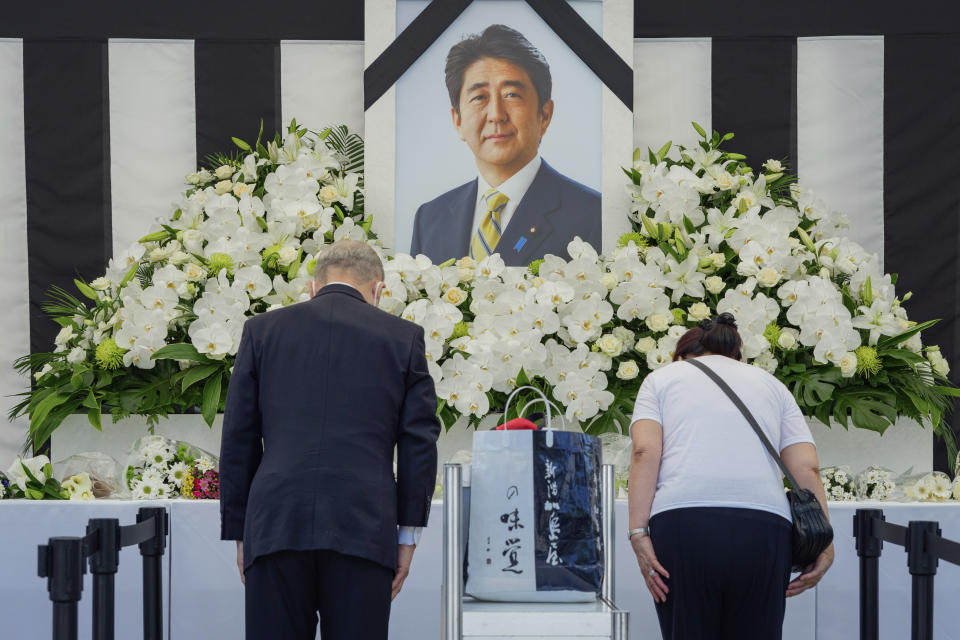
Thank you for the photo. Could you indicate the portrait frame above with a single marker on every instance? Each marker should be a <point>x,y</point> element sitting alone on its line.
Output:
<point>616,127</point>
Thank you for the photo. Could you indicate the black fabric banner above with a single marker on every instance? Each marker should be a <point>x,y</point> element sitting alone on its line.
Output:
<point>696,18</point>
<point>921,184</point>
<point>237,86</point>
<point>67,164</point>
<point>185,19</point>
<point>754,96</point>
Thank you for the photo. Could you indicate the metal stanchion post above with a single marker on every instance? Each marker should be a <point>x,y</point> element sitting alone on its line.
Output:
<point>621,625</point>
<point>608,494</point>
<point>922,560</point>
<point>452,593</point>
<point>103,566</point>
<point>60,561</point>
<point>869,547</point>
<point>152,552</point>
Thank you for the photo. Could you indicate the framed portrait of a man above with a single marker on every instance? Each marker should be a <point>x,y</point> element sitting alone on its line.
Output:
<point>500,140</point>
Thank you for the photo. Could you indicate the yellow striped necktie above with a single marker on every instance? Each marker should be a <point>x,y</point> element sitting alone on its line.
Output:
<point>488,233</point>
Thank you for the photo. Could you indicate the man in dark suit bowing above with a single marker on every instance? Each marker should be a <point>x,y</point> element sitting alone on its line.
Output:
<point>518,206</point>
<point>322,393</point>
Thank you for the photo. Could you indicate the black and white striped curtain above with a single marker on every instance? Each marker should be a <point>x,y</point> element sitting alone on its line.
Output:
<point>103,112</point>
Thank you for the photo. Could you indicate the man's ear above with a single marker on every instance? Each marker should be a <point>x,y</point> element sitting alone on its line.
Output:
<point>457,122</point>
<point>546,115</point>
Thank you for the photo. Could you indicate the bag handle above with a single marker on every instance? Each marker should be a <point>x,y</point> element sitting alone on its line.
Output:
<point>749,416</point>
<point>543,398</point>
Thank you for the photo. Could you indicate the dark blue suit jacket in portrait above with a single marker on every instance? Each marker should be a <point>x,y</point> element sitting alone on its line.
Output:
<point>551,213</point>
<point>321,393</point>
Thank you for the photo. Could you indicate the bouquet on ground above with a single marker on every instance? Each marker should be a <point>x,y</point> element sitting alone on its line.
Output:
<point>32,478</point>
<point>875,483</point>
<point>159,467</point>
<point>838,483</point>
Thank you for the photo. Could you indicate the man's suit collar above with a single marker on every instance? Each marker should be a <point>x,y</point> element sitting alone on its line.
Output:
<point>340,288</point>
<point>530,224</point>
<point>462,204</point>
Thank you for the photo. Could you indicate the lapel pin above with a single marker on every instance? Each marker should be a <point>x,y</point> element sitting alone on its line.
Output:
<point>522,241</point>
<point>533,229</point>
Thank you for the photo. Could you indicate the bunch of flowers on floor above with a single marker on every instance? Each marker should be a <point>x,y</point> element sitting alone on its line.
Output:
<point>159,467</point>
<point>838,483</point>
<point>32,478</point>
<point>875,483</point>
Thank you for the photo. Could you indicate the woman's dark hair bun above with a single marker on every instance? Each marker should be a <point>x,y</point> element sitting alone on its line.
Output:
<point>706,324</point>
<point>727,318</point>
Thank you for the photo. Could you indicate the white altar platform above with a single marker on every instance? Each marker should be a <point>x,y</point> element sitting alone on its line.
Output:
<point>204,597</point>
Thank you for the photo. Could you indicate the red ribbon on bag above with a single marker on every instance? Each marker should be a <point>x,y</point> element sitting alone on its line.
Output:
<point>517,424</point>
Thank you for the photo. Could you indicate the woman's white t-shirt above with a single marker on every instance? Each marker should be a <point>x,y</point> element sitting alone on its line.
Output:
<point>711,455</point>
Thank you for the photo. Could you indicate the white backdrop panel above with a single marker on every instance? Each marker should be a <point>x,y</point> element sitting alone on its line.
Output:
<point>840,129</point>
<point>671,89</point>
<point>153,132</point>
<point>321,83</point>
<point>15,319</point>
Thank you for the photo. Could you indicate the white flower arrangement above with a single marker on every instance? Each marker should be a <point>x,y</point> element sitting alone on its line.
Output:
<point>158,467</point>
<point>838,483</point>
<point>710,235</point>
<point>875,483</point>
<point>932,487</point>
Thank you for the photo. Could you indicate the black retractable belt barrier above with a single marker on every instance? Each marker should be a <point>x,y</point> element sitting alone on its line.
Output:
<point>62,562</point>
<point>924,545</point>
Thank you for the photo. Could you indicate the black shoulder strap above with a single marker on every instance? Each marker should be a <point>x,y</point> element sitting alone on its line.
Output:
<point>746,414</point>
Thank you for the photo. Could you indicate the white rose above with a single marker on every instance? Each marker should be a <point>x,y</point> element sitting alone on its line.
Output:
<point>203,177</point>
<point>645,345</point>
<point>223,172</point>
<point>242,189</point>
<point>658,322</point>
<point>100,284</point>
<point>609,280</point>
<point>194,272</point>
<point>628,370</point>
<point>454,295</point>
<point>610,345</point>
<point>193,240</point>
<point>768,277</point>
<point>714,284</point>
<point>328,194</point>
<point>626,336</point>
<point>941,366</point>
<point>179,257</point>
<point>698,311</point>
<point>76,355</point>
<point>157,254</point>
<point>773,166</point>
<point>787,340</point>
<point>222,187</point>
<point>848,364</point>
<point>193,178</point>
<point>718,259</point>
<point>286,255</point>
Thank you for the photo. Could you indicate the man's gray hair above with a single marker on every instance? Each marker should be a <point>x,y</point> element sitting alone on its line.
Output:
<point>357,258</point>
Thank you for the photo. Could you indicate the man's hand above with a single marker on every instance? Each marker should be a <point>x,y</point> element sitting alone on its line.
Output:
<point>404,558</point>
<point>812,574</point>
<point>240,561</point>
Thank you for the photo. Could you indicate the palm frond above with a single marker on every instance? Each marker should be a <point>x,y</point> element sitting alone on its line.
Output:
<point>61,303</point>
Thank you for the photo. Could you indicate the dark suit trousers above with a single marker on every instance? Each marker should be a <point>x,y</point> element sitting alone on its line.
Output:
<point>286,590</point>
<point>729,570</point>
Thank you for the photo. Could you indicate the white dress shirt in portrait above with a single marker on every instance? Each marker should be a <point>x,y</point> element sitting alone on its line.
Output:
<point>515,187</point>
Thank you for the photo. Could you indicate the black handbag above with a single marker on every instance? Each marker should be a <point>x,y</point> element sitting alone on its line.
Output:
<point>812,532</point>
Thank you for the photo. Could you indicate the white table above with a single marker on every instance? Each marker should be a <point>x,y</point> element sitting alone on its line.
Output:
<point>204,598</point>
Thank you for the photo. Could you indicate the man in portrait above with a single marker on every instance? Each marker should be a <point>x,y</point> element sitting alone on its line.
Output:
<point>518,205</point>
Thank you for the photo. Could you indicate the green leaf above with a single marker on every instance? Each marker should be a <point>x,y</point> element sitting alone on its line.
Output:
<point>211,399</point>
<point>901,354</point>
<point>85,289</point>
<point>953,392</point>
<point>240,143</point>
<point>890,341</point>
<point>179,351</point>
<point>196,374</point>
<point>39,414</point>
<point>93,416</point>
<point>90,401</point>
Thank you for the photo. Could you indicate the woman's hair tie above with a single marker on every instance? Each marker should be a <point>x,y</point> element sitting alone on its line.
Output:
<point>706,324</point>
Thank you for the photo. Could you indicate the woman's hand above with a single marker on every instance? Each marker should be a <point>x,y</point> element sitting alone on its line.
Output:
<point>812,574</point>
<point>653,571</point>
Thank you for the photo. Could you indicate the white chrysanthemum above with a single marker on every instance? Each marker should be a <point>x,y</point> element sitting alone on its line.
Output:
<point>176,473</point>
